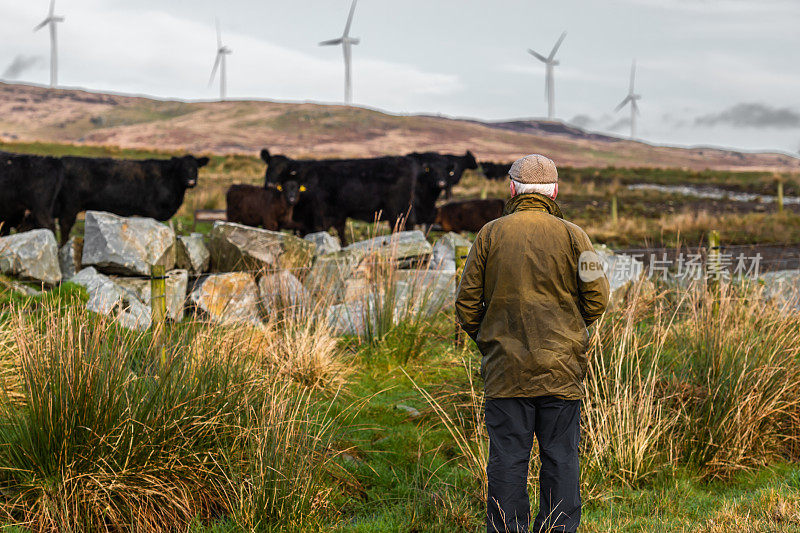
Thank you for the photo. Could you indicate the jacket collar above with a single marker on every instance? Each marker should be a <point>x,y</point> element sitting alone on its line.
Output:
<point>532,202</point>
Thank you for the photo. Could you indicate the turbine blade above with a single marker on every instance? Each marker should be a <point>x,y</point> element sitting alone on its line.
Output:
<point>622,103</point>
<point>556,47</point>
<point>355,40</point>
<point>635,107</point>
<point>537,55</point>
<point>52,7</point>
<point>42,24</point>
<point>219,34</point>
<point>214,70</point>
<point>633,76</point>
<point>331,42</point>
<point>350,18</point>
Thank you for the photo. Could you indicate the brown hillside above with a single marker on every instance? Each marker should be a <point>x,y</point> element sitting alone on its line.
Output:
<point>29,113</point>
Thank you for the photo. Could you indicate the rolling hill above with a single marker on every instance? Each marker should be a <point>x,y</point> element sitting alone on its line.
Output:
<point>30,113</point>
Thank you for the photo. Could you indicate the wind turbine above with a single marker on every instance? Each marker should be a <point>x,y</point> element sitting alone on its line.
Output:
<point>347,42</point>
<point>52,20</point>
<point>632,98</point>
<point>220,63</point>
<point>549,84</point>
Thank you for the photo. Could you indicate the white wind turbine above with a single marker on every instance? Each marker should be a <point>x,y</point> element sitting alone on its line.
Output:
<point>632,98</point>
<point>347,42</point>
<point>549,84</point>
<point>220,63</point>
<point>52,20</point>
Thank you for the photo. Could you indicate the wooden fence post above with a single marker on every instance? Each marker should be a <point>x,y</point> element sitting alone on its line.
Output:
<point>158,308</point>
<point>714,266</point>
<point>614,212</point>
<point>461,258</point>
<point>780,196</point>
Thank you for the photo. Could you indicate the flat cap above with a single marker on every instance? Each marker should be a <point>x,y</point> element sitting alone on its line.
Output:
<point>534,168</point>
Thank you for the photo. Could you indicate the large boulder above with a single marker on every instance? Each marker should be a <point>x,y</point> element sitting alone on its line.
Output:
<point>783,288</point>
<point>126,245</point>
<point>69,257</point>
<point>330,272</point>
<point>177,283</point>
<point>236,247</point>
<point>31,256</point>
<point>228,298</point>
<point>108,298</point>
<point>281,292</point>
<point>191,253</point>
<point>425,291</point>
<point>325,242</point>
<point>444,251</point>
<point>406,247</point>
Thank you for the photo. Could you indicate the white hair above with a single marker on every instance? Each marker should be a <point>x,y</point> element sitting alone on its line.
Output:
<point>546,189</point>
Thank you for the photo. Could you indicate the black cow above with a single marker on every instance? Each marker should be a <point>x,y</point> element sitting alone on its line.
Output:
<point>28,188</point>
<point>270,208</point>
<point>457,164</point>
<point>338,189</point>
<point>495,171</point>
<point>150,188</point>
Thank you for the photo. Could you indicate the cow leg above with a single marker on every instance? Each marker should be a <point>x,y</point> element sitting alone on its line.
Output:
<point>65,223</point>
<point>340,229</point>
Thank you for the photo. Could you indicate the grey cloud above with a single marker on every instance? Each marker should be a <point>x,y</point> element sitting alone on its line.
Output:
<point>752,116</point>
<point>582,121</point>
<point>19,65</point>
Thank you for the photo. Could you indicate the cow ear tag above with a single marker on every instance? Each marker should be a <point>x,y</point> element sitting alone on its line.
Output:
<point>280,187</point>
<point>302,188</point>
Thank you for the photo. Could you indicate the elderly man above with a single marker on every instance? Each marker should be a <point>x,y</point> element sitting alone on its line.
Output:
<point>531,286</point>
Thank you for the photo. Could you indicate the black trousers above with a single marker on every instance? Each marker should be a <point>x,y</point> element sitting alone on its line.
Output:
<point>512,424</point>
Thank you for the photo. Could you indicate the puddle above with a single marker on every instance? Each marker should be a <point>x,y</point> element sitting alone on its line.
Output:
<point>713,193</point>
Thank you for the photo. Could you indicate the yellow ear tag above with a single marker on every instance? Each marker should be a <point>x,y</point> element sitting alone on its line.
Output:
<point>280,187</point>
<point>302,188</point>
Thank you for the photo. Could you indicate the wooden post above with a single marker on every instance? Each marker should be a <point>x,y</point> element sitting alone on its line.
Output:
<point>780,196</point>
<point>714,266</point>
<point>158,307</point>
<point>614,213</point>
<point>461,258</point>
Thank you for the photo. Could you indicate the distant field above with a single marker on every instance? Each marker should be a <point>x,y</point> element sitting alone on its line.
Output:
<point>646,217</point>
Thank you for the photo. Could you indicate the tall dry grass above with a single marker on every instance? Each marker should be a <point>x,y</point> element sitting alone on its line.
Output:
<point>100,434</point>
<point>685,378</point>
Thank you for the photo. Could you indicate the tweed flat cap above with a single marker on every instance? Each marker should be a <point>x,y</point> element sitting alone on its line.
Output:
<point>534,168</point>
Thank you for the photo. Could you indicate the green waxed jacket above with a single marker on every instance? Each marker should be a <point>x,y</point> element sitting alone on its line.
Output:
<point>521,299</point>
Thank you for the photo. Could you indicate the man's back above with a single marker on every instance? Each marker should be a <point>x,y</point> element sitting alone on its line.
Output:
<point>523,302</point>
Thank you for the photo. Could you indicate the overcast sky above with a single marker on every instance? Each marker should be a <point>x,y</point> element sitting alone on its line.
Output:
<point>712,72</point>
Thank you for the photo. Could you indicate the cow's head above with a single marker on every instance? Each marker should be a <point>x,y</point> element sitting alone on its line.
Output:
<point>186,169</point>
<point>279,168</point>
<point>291,189</point>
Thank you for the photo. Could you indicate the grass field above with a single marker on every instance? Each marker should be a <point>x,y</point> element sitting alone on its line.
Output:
<point>691,422</point>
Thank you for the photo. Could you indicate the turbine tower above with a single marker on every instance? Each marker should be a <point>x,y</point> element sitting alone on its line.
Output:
<point>220,63</point>
<point>347,42</point>
<point>549,84</point>
<point>632,98</point>
<point>52,20</point>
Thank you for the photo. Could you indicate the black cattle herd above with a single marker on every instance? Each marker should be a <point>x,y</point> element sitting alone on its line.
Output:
<point>304,196</point>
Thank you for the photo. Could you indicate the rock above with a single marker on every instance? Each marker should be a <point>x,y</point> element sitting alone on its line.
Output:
<point>351,318</point>
<point>325,242</point>
<point>330,272</point>
<point>177,283</point>
<point>108,298</point>
<point>16,286</point>
<point>281,291</point>
<point>191,253</point>
<point>412,412</point>
<point>237,247</point>
<point>228,298</point>
<point>426,291</point>
<point>69,257</point>
<point>126,246</point>
<point>407,247</point>
<point>620,269</point>
<point>783,288</point>
<point>31,256</point>
<point>444,251</point>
